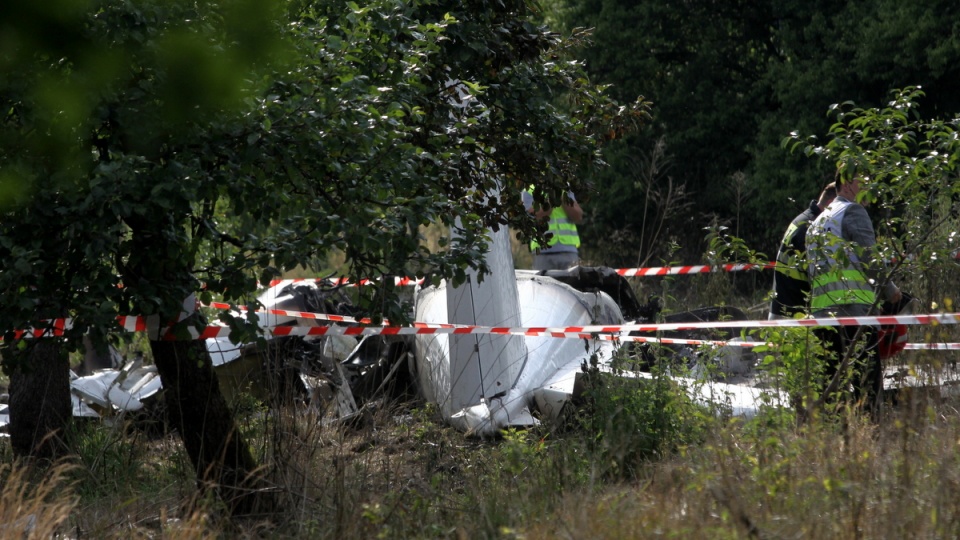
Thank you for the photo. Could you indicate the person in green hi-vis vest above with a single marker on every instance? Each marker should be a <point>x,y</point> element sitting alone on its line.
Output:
<point>562,250</point>
<point>845,281</point>
<point>791,284</point>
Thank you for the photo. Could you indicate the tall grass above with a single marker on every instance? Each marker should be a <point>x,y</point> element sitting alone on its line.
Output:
<point>849,479</point>
<point>34,507</point>
<point>400,472</point>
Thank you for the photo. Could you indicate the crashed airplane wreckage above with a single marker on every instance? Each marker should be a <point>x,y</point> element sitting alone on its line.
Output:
<point>481,382</point>
<point>485,382</point>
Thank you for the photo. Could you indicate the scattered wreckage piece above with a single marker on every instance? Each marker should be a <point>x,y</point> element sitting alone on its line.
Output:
<point>321,372</point>
<point>905,380</point>
<point>727,362</point>
<point>336,374</point>
<point>109,392</point>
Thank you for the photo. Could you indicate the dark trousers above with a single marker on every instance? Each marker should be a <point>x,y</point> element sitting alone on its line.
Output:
<point>865,379</point>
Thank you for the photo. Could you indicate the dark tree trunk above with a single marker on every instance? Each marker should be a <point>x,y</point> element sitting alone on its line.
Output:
<point>40,405</point>
<point>196,408</point>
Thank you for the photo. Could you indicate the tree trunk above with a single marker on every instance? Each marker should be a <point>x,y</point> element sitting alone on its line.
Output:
<point>196,408</point>
<point>40,405</point>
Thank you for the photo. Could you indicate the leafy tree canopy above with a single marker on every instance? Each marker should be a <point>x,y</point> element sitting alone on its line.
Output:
<point>729,80</point>
<point>910,168</point>
<point>148,148</point>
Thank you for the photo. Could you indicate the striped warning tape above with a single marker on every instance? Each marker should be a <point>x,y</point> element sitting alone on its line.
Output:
<point>619,331</point>
<point>58,326</point>
<point>296,314</point>
<point>751,344</point>
<point>625,272</point>
<point>694,269</point>
<point>847,321</point>
<point>55,328</point>
<point>326,317</point>
<point>943,318</point>
<point>934,319</point>
<point>132,323</point>
<point>346,282</point>
<point>590,330</point>
<point>932,346</point>
<point>428,328</point>
<point>646,339</point>
<point>587,332</point>
<point>213,332</point>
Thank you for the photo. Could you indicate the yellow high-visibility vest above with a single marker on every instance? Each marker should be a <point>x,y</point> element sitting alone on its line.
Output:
<point>835,271</point>
<point>560,231</point>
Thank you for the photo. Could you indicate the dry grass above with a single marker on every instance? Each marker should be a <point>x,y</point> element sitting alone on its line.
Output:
<point>34,507</point>
<point>899,479</point>
<point>400,473</point>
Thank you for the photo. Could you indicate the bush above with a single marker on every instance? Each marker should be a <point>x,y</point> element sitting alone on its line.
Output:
<point>629,419</point>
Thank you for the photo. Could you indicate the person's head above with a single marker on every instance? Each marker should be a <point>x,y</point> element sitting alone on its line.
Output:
<point>827,196</point>
<point>847,181</point>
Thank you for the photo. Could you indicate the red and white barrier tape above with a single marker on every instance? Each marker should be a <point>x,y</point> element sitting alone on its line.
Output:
<point>57,327</point>
<point>326,317</point>
<point>297,314</point>
<point>677,341</point>
<point>346,282</point>
<point>943,318</point>
<point>426,328</point>
<point>736,324</point>
<point>212,332</point>
<point>589,330</point>
<point>932,346</point>
<point>646,339</point>
<point>625,272</point>
<point>751,344</point>
<point>139,324</point>
<point>695,269</point>
<point>615,331</point>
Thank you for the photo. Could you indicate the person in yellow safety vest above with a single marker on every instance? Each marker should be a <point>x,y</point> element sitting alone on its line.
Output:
<point>843,281</point>
<point>791,285</point>
<point>562,251</point>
